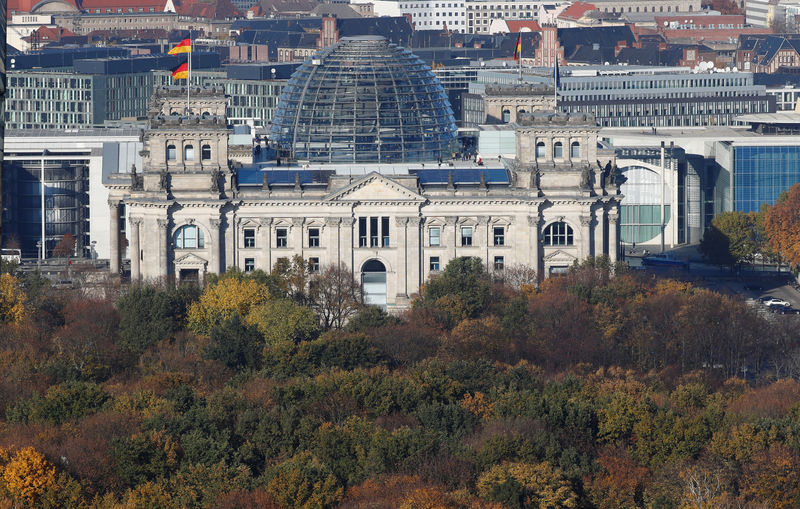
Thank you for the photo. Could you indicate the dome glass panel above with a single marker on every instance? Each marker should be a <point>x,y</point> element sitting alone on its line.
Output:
<point>363,100</point>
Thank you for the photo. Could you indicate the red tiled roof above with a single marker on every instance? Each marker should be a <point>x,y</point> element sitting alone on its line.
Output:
<point>123,4</point>
<point>220,9</point>
<point>576,10</point>
<point>515,26</point>
<point>46,33</point>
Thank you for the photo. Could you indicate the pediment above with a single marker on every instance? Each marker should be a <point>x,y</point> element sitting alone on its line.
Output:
<point>190,260</point>
<point>375,187</point>
<point>560,256</point>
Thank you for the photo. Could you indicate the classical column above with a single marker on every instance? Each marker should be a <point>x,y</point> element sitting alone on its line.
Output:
<point>213,265</point>
<point>482,238</point>
<point>348,251</point>
<point>113,225</point>
<point>265,243</point>
<point>586,237</point>
<point>453,240</point>
<point>534,223</point>
<point>401,269</point>
<point>135,253</point>
<point>163,242</point>
<point>414,255</point>
<point>297,235</point>
<point>599,230</point>
<point>332,245</point>
<point>613,244</point>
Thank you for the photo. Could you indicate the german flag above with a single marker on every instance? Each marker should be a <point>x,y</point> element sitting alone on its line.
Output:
<point>181,72</point>
<point>185,46</point>
<point>518,48</point>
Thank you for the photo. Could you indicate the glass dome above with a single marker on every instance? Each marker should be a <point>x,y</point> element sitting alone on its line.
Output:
<point>363,100</point>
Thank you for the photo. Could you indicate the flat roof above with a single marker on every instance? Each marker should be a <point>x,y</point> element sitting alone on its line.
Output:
<point>779,117</point>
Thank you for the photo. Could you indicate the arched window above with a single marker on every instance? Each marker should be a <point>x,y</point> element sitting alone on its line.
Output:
<point>506,116</point>
<point>188,153</point>
<point>558,234</point>
<point>205,152</point>
<point>575,150</point>
<point>172,152</point>
<point>188,237</point>
<point>558,150</point>
<point>540,150</point>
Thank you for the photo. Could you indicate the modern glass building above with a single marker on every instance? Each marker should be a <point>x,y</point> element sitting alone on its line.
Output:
<point>762,172</point>
<point>364,100</point>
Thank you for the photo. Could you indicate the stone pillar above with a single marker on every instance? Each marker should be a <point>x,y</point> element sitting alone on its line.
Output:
<point>296,242</point>
<point>163,242</point>
<point>213,265</point>
<point>332,242</point>
<point>452,237</point>
<point>599,231</point>
<point>135,250</point>
<point>348,238</point>
<point>265,244</point>
<point>403,259</point>
<point>113,240</point>
<point>414,255</point>
<point>613,243</point>
<point>586,237</point>
<point>481,238</point>
<point>535,245</point>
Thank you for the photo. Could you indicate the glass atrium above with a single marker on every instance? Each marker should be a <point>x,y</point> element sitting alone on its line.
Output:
<point>364,100</point>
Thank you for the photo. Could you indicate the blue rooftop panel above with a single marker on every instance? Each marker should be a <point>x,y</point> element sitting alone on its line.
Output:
<point>255,177</point>
<point>463,176</point>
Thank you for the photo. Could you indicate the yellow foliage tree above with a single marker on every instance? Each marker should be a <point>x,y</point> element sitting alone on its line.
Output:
<point>27,475</point>
<point>541,485</point>
<point>12,300</point>
<point>221,300</point>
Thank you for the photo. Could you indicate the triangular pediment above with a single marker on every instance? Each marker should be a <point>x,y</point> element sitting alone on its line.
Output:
<point>560,256</point>
<point>190,260</point>
<point>375,187</point>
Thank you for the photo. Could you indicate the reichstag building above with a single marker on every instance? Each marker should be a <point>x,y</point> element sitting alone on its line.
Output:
<point>365,176</point>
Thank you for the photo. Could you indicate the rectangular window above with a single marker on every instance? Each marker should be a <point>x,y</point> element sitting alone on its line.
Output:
<point>313,264</point>
<point>466,235</point>
<point>373,232</point>
<point>434,236</point>
<point>362,232</point>
<point>313,237</point>
<point>281,236</point>
<point>499,263</point>
<point>249,237</point>
<point>499,236</point>
<point>249,264</point>
<point>385,231</point>
<point>434,264</point>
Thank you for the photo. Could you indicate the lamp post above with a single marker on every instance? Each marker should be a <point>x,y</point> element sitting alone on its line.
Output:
<point>94,253</point>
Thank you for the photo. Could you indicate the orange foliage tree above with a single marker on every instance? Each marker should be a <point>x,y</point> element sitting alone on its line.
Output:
<point>782,225</point>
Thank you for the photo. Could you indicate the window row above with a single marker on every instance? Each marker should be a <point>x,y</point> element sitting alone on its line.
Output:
<point>435,236</point>
<point>558,150</point>
<point>435,264</point>
<point>188,152</point>
<point>312,264</point>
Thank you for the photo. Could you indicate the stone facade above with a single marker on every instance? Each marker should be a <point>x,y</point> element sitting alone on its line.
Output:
<point>560,204</point>
<point>503,103</point>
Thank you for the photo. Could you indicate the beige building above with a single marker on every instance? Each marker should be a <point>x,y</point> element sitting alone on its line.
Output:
<point>190,211</point>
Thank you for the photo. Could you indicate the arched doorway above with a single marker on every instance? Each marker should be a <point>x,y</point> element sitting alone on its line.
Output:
<point>373,283</point>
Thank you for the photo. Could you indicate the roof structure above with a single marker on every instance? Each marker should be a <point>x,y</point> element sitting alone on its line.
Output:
<point>576,11</point>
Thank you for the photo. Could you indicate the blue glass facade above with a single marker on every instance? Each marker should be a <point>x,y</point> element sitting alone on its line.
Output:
<point>761,173</point>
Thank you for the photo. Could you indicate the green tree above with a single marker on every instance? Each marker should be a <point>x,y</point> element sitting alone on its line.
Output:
<point>280,320</point>
<point>235,344</point>
<point>462,290</point>
<point>734,237</point>
<point>148,314</point>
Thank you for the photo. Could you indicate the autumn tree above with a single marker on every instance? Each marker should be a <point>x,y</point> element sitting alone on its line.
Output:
<point>27,475</point>
<point>280,320</point>
<point>220,301</point>
<point>782,225</point>
<point>304,482</point>
<point>65,247</point>
<point>525,485</point>
<point>336,296</point>
<point>12,300</point>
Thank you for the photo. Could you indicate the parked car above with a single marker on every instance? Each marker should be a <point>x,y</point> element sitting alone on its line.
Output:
<point>784,310</point>
<point>774,301</point>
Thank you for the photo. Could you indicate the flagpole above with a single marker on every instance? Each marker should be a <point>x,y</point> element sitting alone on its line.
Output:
<point>520,60</point>
<point>189,76</point>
